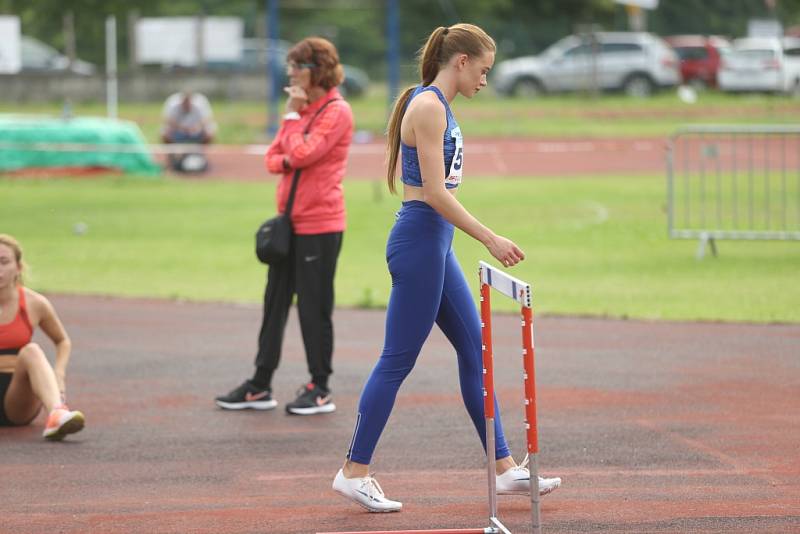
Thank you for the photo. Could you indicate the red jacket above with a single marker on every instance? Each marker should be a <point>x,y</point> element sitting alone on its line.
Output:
<point>322,156</point>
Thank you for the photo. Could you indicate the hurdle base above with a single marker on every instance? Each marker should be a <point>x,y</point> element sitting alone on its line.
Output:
<point>497,529</point>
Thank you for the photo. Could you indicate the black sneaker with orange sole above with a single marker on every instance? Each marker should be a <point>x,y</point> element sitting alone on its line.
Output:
<point>311,399</point>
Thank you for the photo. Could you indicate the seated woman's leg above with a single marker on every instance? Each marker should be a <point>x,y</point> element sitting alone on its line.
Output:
<point>33,385</point>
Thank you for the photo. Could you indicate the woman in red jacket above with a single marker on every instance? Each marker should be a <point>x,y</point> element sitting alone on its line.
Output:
<point>318,216</point>
<point>27,381</point>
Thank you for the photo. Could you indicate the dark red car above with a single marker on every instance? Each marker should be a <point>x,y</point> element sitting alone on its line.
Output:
<point>700,57</point>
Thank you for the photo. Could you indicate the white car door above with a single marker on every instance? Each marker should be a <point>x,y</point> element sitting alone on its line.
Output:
<point>617,61</point>
<point>571,70</point>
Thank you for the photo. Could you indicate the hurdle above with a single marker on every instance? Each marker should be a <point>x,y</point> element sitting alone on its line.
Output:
<point>494,278</point>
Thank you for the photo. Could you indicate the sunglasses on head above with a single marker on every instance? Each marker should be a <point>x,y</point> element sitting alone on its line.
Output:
<point>297,66</point>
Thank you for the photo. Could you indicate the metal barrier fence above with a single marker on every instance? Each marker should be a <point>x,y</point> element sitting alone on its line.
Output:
<point>733,182</point>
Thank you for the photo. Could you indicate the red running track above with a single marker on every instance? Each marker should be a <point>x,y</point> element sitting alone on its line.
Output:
<point>484,157</point>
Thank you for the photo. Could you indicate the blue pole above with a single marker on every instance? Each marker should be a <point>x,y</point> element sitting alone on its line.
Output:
<point>273,67</point>
<point>393,50</point>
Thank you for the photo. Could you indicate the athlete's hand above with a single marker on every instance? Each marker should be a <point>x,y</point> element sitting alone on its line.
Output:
<point>505,251</point>
<point>298,99</point>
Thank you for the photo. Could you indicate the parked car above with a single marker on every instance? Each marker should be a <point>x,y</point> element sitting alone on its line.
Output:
<point>700,58</point>
<point>762,64</point>
<point>255,57</point>
<point>39,57</point>
<point>636,63</point>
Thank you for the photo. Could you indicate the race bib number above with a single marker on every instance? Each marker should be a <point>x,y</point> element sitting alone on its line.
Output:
<point>456,167</point>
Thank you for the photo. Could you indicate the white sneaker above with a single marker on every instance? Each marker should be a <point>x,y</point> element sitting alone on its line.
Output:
<point>365,492</point>
<point>546,485</point>
<point>517,481</point>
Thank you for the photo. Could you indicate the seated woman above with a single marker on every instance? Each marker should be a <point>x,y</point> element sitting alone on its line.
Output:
<point>27,381</point>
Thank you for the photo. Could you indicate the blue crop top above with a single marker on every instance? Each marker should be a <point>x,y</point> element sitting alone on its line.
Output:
<point>453,146</point>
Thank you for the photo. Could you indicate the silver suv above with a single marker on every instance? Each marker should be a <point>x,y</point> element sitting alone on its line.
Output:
<point>635,62</point>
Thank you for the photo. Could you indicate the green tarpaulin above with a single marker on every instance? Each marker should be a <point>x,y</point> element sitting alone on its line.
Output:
<point>41,142</point>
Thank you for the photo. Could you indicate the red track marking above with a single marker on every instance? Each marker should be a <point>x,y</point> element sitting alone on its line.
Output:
<point>436,531</point>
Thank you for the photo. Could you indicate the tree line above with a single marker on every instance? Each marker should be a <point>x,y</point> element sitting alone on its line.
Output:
<point>358,27</point>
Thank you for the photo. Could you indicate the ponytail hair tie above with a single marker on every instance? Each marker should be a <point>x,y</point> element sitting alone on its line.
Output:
<point>446,31</point>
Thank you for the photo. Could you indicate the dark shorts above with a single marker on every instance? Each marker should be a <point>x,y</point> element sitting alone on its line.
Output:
<point>5,381</point>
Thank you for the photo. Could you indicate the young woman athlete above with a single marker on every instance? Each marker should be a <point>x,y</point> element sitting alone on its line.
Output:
<point>428,285</point>
<point>27,381</point>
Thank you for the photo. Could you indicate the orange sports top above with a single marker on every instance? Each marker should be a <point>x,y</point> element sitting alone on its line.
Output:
<point>17,333</point>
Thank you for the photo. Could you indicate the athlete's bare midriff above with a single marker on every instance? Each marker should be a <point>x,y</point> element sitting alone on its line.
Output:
<point>412,192</point>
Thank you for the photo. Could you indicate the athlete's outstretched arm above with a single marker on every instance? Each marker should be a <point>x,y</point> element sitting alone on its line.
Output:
<point>429,124</point>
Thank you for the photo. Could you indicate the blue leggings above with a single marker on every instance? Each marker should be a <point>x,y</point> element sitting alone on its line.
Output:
<point>427,286</point>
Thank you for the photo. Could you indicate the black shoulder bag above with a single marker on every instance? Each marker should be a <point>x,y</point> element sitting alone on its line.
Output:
<point>274,236</point>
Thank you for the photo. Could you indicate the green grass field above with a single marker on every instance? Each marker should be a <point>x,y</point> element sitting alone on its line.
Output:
<point>487,115</point>
<point>595,246</point>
